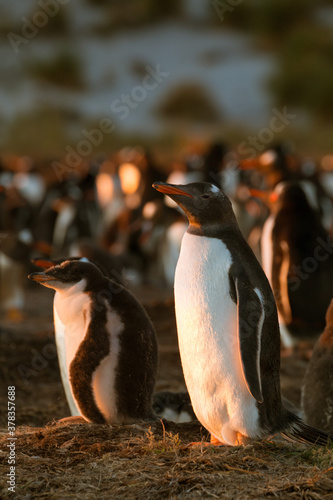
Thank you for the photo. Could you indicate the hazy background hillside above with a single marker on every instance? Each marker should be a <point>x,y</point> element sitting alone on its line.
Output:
<point>226,67</point>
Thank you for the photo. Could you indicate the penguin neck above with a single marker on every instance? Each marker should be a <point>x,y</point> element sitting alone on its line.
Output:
<point>79,287</point>
<point>217,230</point>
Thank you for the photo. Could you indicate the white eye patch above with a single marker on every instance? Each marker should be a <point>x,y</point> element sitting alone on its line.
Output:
<point>214,189</point>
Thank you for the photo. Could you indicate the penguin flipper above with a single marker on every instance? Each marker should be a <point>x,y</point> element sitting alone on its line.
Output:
<point>250,312</point>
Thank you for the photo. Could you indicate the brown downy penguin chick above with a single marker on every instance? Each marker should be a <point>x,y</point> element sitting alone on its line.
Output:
<point>227,323</point>
<point>110,347</point>
<point>59,327</point>
<point>317,390</point>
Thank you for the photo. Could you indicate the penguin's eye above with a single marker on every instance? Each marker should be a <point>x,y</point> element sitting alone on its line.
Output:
<point>205,196</point>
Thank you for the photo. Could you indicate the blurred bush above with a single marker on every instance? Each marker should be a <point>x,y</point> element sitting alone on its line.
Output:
<point>160,10</point>
<point>139,68</point>
<point>189,102</point>
<point>64,70</point>
<point>136,12</point>
<point>58,24</point>
<point>304,76</point>
<point>42,131</point>
<point>269,17</point>
<point>277,17</point>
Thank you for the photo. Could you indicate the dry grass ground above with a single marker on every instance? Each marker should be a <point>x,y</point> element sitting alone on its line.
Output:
<point>146,460</point>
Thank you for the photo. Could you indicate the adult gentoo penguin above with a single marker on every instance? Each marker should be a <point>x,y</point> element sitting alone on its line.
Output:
<point>227,326</point>
<point>317,390</point>
<point>111,349</point>
<point>297,257</point>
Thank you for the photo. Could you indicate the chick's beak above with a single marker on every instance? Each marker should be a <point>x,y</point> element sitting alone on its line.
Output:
<point>170,189</point>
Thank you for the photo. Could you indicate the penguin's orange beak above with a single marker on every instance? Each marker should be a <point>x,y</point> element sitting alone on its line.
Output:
<point>249,164</point>
<point>169,189</point>
<point>40,277</point>
<point>266,196</point>
<point>258,193</point>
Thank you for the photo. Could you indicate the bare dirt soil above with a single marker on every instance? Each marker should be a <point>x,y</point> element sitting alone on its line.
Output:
<point>145,460</point>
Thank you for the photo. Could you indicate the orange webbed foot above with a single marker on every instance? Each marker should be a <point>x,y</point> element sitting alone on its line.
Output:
<point>216,442</point>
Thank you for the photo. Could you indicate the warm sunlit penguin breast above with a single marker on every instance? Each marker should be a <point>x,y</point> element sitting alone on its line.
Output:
<point>171,247</point>
<point>267,247</point>
<point>267,261</point>
<point>72,306</point>
<point>208,339</point>
<point>73,315</point>
<point>60,337</point>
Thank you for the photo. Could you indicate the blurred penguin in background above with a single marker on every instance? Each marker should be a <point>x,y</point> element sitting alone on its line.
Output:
<point>297,257</point>
<point>278,163</point>
<point>15,250</point>
<point>20,192</point>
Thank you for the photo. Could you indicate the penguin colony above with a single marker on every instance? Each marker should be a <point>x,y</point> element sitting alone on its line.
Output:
<point>116,212</point>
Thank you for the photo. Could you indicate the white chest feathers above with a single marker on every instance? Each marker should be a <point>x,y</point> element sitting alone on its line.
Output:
<point>267,247</point>
<point>70,310</point>
<point>72,316</point>
<point>60,337</point>
<point>208,340</point>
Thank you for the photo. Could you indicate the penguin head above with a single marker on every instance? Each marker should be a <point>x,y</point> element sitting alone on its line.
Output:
<point>47,263</point>
<point>203,203</point>
<point>69,273</point>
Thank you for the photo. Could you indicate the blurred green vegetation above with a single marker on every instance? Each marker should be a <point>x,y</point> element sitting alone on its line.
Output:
<point>63,70</point>
<point>189,102</point>
<point>278,17</point>
<point>135,13</point>
<point>291,31</point>
<point>57,25</point>
<point>304,76</point>
<point>46,132</point>
<point>39,132</point>
<point>272,17</point>
<point>296,35</point>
